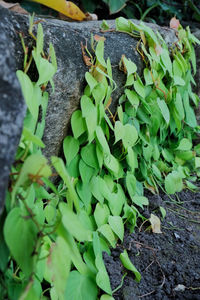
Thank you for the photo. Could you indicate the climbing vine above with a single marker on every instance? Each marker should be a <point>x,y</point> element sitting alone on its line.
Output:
<point>54,237</point>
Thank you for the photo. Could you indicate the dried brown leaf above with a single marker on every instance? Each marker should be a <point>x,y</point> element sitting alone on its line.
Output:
<point>155,224</point>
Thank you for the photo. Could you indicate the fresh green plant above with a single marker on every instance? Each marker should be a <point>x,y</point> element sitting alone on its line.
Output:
<point>157,11</point>
<point>53,241</point>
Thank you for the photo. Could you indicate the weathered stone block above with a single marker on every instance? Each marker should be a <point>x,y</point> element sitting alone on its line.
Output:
<point>12,106</point>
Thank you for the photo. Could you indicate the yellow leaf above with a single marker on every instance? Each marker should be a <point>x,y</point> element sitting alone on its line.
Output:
<point>67,8</point>
<point>155,224</point>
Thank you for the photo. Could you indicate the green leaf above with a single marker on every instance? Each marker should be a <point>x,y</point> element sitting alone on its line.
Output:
<point>4,251</point>
<point>32,138</point>
<point>131,67</point>
<point>185,155</point>
<point>131,184</point>
<point>86,171</point>
<point>58,266</point>
<point>102,278</point>
<point>53,56</point>
<point>129,82</point>
<point>62,171</point>
<point>88,154</point>
<point>80,287</point>
<point>50,213</point>
<point>139,87</point>
<point>122,24</point>
<point>115,200</point>
<point>197,149</point>
<point>104,25</point>
<point>177,70</point>
<point>173,182</point>
<point>90,80</point>
<point>130,136</point>
<point>132,98</point>
<point>101,214</point>
<point>34,165</point>
<point>45,69</point>
<point>86,220</point>
<point>178,81</point>
<point>156,172</point>
<point>40,39</point>
<point>129,266</point>
<point>70,148</point>
<point>163,211</point>
<point>149,32</point>
<point>189,112</point>
<point>164,110</point>
<point>117,226</point>
<point>191,186</point>
<point>99,52</point>
<point>106,297</point>
<point>166,61</point>
<point>99,93</point>
<point>102,140</point>
<point>119,131</point>
<point>95,186</point>
<point>89,111</point>
<point>20,234</point>
<point>148,77</point>
<point>113,165</point>
<point>78,124</point>
<point>85,195</point>
<point>116,6</point>
<point>131,158</point>
<point>100,156</point>
<point>73,250</point>
<point>197,162</point>
<point>73,168</point>
<point>179,106</point>
<point>184,145</point>
<point>147,152</point>
<point>140,201</point>
<point>28,93</point>
<point>107,232</point>
<point>72,223</point>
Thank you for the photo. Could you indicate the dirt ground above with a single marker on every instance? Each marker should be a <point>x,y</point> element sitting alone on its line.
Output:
<point>168,262</point>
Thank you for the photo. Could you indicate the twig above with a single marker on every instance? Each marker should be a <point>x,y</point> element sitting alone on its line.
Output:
<point>147,294</point>
<point>121,284</point>
<point>144,245</point>
<point>149,265</point>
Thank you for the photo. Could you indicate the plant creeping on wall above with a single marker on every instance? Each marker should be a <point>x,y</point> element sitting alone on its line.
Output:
<point>54,237</point>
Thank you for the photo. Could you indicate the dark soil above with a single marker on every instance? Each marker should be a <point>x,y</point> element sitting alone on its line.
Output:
<point>168,262</point>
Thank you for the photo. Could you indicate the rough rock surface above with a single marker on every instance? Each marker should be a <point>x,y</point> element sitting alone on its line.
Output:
<point>12,106</point>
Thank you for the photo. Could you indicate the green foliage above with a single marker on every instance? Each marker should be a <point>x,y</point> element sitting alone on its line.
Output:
<point>20,234</point>
<point>156,11</point>
<point>55,235</point>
